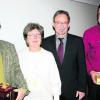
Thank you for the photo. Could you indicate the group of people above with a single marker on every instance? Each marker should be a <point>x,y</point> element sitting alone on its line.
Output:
<point>60,67</point>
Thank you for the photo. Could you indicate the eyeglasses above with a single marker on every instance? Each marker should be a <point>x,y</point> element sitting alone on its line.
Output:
<point>61,23</point>
<point>33,35</point>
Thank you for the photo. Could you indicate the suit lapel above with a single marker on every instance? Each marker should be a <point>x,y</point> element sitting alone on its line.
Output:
<point>67,48</point>
<point>53,44</point>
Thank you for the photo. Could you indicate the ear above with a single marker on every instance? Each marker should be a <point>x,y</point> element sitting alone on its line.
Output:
<point>68,27</point>
<point>26,40</point>
<point>0,25</point>
<point>53,26</point>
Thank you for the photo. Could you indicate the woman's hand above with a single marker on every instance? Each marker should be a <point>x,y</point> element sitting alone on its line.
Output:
<point>21,94</point>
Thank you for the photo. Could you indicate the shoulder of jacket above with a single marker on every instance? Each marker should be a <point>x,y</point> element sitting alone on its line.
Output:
<point>74,36</point>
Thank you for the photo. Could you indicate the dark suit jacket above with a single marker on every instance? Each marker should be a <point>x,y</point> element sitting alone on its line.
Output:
<point>73,68</point>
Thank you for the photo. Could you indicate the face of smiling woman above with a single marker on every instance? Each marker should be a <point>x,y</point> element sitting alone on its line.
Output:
<point>34,39</point>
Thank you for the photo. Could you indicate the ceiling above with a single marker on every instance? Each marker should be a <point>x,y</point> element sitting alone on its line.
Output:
<point>92,2</point>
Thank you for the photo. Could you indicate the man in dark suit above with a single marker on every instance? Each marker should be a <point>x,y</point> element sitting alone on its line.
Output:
<point>71,60</point>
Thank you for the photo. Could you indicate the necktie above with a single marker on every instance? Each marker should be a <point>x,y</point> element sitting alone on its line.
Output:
<point>60,50</point>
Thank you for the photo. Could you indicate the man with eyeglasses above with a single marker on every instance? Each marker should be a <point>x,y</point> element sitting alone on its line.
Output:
<point>68,51</point>
<point>92,52</point>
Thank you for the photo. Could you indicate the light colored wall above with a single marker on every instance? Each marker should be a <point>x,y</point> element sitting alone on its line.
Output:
<point>15,14</point>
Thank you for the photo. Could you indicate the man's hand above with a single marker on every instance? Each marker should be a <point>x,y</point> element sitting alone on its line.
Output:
<point>21,94</point>
<point>93,76</point>
<point>80,95</point>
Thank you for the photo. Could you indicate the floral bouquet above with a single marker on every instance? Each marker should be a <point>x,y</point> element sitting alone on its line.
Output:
<point>6,92</point>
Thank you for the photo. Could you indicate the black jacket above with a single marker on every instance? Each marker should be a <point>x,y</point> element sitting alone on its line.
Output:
<point>73,68</point>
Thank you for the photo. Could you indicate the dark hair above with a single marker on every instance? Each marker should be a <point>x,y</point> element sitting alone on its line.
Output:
<point>31,26</point>
<point>61,12</point>
<point>98,11</point>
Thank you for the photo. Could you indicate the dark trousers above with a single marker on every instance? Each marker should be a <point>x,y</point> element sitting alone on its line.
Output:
<point>93,90</point>
<point>74,98</point>
<point>64,98</point>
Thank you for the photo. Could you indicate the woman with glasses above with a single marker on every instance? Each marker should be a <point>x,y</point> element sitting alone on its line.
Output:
<point>38,66</point>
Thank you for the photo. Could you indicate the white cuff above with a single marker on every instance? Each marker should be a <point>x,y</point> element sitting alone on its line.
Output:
<point>56,97</point>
